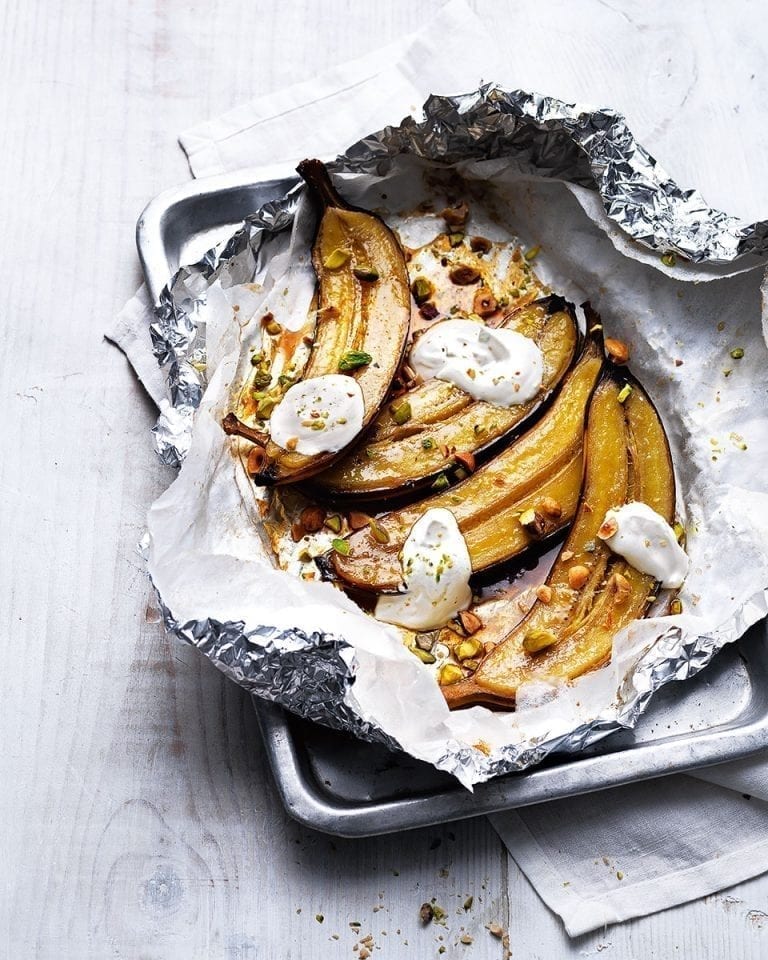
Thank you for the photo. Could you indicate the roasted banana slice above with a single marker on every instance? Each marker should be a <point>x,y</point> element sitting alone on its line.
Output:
<point>527,492</point>
<point>591,592</point>
<point>362,324</point>
<point>406,446</point>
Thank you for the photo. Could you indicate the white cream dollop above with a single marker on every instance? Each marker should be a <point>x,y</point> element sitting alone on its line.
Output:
<point>648,543</point>
<point>436,570</point>
<point>500,366</point>
<point>323,414</point>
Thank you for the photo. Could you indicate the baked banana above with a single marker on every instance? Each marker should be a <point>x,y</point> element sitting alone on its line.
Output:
<point>592,591</point>
<point>405,448</point>
<point>362,324</point>
<point>527,492</point>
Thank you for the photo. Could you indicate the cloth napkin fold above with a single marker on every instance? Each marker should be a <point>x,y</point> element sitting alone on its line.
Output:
<point>597,859</point>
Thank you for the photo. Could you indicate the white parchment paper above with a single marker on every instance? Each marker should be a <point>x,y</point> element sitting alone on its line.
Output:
<point>207,558</point>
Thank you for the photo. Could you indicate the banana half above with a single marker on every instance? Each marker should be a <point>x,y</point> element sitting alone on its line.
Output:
<point>591,592</point>
<point>527,492</point>
<point>362,323</point>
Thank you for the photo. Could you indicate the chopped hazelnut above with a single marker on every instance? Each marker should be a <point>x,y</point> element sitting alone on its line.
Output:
<point>470,622</point>
<point>462,275</point>
<point>255,461</point>
<point>621,587</point>
<point>551,508</point>
<point>480,244</point>
<point>312,519</point>
<point>578,576</point>
<point>608,528</point>
<point>357,520</point>
<point>467,460</point>
<point>544,593</point>
<point>484,303</point>
<point>617,350</point>
<point>456,216</point>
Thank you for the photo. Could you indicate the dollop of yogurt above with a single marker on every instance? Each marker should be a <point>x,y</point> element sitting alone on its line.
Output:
<point>648,543</point>
<point>322,415</point>
<point>436,570</point>
<point>499,366</point>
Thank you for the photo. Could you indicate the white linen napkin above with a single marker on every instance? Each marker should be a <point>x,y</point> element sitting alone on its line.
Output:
<point>597,859</point>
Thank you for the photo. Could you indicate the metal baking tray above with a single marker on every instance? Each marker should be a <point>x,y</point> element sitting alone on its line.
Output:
<point>343,786</point>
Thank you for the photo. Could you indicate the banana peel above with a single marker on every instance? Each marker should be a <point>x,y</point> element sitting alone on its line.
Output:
<point>539,474</point>
<point>406,446</point>
<point>627,458</point>
<point>363,311</point>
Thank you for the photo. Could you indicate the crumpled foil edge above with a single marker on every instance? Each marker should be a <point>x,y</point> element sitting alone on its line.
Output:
<point>540,136</point>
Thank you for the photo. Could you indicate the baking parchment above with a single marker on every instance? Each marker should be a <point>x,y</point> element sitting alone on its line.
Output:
<point>305,644</point>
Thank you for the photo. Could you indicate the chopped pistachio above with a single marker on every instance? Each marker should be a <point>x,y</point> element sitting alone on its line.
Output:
<point>353,359</point>
<point>421,289</point>
<point>256,358</point>
<point>366,274</point>
<point>424,655</point>
<point>378,532</point>
<point>273,328</point>
<point>676,607</point>
<point>262,379</point>
<point>333,523</point>
<point>450,673</point>
<point>427,443</point>
<point>337,258</point>
<point>538,639</point>
<point>669,259</point>
<point>340,546</point>
<point>467,649</point>
<point>737,353</point>
<point>532,252</point>
<point>401,413</point>
<point>441,482</point>
<point>455,239</point>
<point>624,393</point>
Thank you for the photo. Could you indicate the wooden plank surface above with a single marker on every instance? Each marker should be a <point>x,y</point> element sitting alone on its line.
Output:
<point>138,817</point>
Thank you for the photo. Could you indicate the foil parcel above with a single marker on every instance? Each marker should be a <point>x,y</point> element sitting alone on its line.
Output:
<point>342,674</point>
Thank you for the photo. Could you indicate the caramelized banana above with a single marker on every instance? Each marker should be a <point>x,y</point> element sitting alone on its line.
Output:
<point>540,474</point>
<point>406,446</point>
<point>593,592</point>
<point>363,315</point>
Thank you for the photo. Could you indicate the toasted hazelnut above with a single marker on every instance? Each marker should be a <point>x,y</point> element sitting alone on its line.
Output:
<point>551,508</point>
<point>484,303</point>
<point>617,350</point>
<point>255,460</point>
<point>608,528</point>
<point>470,622</point>
<point>462,275</point>
<point>357,520</point>
<point>467,460</point>
<point>621,587</point>
<point>578,576</point>
<point>544,593</point>
<point>480,244</point>
<point>312,519</point>
<point>456,216</point>
<point>533,522</point>
<point>291,443</point>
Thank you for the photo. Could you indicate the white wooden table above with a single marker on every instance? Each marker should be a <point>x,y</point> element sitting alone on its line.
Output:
<point>138,816</point>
